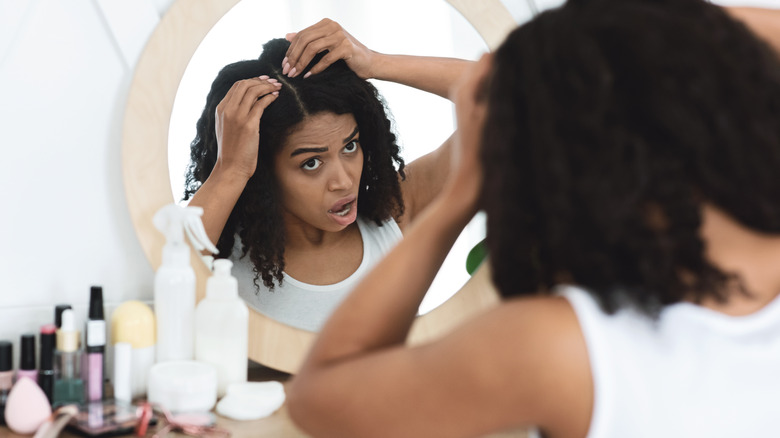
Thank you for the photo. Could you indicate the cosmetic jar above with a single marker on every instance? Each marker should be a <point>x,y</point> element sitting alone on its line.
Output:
<point>183,386</point>
<point>133,323</point>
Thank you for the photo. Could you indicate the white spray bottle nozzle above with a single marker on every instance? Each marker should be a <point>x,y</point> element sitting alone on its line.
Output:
<point>174,220</point>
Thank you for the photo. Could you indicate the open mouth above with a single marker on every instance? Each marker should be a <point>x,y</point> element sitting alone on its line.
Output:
<point>343,210</point>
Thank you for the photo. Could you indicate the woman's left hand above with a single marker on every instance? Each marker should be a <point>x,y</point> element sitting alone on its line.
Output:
<point>326,35</point>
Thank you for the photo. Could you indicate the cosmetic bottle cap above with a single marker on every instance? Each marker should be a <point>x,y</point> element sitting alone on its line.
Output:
<point>67,335</point>
<point>58,313</point>
<point>133,322</point>
<point>48,339</point>
<point>27,360</point>
<point>174,220</point>
<point>96,302</point>
<point>6,351</point>
<point>222,285</point>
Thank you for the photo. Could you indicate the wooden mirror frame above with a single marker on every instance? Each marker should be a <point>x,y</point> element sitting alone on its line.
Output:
<point>147,179</point>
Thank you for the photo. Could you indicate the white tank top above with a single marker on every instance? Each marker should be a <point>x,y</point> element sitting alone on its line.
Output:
<point>694,373</point>
<point>307,306</point>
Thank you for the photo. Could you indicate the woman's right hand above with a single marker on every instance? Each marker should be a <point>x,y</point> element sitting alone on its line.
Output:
<point>237,120</point>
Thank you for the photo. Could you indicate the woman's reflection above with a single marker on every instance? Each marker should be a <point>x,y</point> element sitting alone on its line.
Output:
<point>299,173</point>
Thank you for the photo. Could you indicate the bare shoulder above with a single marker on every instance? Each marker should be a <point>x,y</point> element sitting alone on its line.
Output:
<point>539,360</point>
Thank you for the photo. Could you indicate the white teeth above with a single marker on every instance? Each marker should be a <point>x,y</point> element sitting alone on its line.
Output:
<point>344,211</point>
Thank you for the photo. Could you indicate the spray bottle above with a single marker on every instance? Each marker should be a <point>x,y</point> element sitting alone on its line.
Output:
<point>174,283</point>
<point>222,328</point>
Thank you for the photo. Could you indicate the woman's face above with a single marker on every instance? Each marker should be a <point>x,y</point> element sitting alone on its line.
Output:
<point>319,169</point>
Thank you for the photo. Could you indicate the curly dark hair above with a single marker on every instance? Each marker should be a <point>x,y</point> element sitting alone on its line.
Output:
<point>609,123</point>
<point>257,217</point>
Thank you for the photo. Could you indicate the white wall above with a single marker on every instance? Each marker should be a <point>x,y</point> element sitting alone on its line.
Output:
<point>65,71</point>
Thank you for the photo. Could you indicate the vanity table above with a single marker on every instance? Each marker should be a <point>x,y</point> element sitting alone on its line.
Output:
<point>277,425</point>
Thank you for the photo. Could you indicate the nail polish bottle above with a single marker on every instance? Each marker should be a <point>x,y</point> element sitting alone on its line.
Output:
<point>68,385</point>
<point>6,375</point>
<point>27,358</point>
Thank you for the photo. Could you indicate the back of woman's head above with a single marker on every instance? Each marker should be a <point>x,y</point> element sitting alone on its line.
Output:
<point>257,215</point>
<point>609,123</point>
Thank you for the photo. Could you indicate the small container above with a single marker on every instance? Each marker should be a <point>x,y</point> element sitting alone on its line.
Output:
<point>123,380</point>
<point>222,328</point>
<point>68,385</point>
<point>6,375</point>
<point>133,323</point>
<point>183,386</point>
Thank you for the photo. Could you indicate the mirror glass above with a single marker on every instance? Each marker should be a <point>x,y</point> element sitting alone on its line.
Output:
<point>422,121</point>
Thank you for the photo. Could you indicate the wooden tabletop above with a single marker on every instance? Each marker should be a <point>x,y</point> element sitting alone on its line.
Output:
<point>277,425</point>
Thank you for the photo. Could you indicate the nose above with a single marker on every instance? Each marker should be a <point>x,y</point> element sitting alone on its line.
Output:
<point>340,178</point>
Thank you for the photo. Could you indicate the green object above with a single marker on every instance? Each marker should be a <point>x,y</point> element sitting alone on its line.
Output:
<point>67,391</point>
<point>475,257</point>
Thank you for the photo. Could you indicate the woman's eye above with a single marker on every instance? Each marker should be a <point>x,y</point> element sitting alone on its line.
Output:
<point>311,164</point>
<point>351,146</point>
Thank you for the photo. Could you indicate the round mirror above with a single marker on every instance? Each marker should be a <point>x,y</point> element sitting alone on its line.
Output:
<point>148,174</point>
<point>422,121</point>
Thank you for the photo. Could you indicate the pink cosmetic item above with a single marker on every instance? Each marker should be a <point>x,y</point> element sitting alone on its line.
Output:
<point>6,374</point>
<point>96,346</point>
<point>27,408</point>
<point>27,359</point>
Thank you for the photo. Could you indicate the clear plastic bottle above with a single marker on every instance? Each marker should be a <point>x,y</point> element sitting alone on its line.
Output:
<point>222,328</point>
<point>174,282</point>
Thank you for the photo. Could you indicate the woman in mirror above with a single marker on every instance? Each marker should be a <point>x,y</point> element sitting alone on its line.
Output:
<point>297,169</point>
<point>626,153</point>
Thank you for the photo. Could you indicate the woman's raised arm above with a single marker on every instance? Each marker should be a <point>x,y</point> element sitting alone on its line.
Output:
<point>432,74</point>
<point>237,122</point>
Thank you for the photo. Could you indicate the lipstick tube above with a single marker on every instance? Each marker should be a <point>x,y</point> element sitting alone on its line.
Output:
<point>27,358</point>
<point>46,373</point>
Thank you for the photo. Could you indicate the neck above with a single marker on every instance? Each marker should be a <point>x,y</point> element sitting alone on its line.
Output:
<point>750,254</point>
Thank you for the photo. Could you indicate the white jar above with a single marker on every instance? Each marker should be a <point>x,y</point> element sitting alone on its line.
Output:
<point>183,386</point>
<point>222,328</point>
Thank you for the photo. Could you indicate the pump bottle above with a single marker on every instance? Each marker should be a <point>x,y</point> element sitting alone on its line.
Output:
<point>174,282</point>
<point>222,327</point>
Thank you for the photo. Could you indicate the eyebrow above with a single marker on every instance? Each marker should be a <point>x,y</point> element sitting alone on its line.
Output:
<point>300,151</point>
<point>351,136</point>
<point>307,150</point>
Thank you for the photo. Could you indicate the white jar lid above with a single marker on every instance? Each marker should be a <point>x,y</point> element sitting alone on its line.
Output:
<point>183,386</point>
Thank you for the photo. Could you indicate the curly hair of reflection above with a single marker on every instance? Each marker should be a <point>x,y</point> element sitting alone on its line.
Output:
<point>257,217</point>
<point>609,123</point>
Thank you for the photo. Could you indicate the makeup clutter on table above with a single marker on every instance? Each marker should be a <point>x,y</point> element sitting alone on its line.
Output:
<point>173,364</point>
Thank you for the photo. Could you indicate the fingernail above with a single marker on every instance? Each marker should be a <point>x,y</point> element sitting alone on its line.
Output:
<point>263,77</point>
<point>292,72</point>
<point>272,80</point>
<point>307,75</point>
<point>286,68</point>
<point>275,93</point>
<point>284,61</point>
<point>278,84</point>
